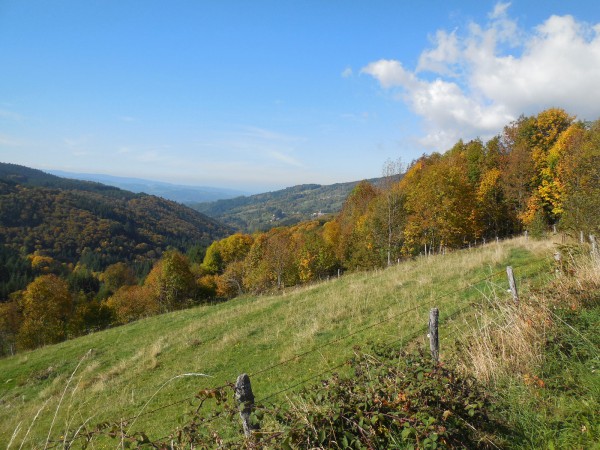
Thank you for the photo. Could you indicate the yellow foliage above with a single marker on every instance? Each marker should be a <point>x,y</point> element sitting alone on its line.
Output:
<point>131,303</point>
<point>489,184</point>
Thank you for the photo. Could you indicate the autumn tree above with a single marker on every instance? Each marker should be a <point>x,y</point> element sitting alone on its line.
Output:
<point>315,256</point>
<point>225,251</point>
<point>440,203</point>
<point>47,306</point>
<point>279,256</point>
<point>579,170</point>
<point>11,317</point>
<point>517,164</point>
<point>355,241</point>
<point>231,282</point>
<point>116,276</point>
<point>392,205</point>
<point>171,282</point>
<point>130,303</point>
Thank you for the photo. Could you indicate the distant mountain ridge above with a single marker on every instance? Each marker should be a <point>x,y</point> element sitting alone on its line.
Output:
<point>288,206</point>
<point>175,192</point>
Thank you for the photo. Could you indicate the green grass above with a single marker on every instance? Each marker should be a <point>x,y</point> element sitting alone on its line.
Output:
<point>127,367</point>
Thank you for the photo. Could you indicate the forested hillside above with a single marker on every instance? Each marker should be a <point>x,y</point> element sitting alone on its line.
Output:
<point>289,206</point>
<point>49,221</point>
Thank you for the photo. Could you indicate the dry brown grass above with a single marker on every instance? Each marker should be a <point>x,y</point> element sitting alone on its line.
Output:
<point>509,340</point>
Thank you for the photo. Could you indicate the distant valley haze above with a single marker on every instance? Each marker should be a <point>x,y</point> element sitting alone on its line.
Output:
<point>175,192</point>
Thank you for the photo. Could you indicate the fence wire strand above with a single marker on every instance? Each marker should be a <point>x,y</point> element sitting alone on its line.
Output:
<point>403,339</point>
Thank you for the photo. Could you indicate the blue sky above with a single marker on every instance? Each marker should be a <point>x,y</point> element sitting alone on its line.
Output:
<point>267,94</point>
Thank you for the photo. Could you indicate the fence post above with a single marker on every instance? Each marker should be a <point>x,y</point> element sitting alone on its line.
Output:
<point>581,240</point>
<point>434,343</point>
<point>245,399</point>
<point>594,246</point>
<point>558,263</point>
<point>513,284</point>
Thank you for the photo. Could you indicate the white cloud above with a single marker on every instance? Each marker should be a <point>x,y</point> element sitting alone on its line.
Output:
<point>474,83</point>
<point>347,72</point>
<point>285,158</point>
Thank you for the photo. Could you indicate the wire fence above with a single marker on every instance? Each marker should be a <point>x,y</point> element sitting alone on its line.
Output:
<point>491,281</point>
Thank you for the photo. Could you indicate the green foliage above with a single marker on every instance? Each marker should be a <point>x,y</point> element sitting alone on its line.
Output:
<point>15,272</point>
<point>394,400</point>
<point>538,227</point>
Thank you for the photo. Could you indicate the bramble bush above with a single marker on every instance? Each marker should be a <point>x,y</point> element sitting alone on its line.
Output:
<point>394,400</point>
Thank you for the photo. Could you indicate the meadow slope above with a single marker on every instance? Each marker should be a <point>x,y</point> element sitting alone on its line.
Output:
<point>120,372</point>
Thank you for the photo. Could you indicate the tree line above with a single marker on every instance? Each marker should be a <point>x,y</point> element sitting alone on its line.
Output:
<point>541,171</point>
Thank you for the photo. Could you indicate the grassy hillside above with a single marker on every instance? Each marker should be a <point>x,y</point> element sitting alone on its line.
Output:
<point>121,372</point>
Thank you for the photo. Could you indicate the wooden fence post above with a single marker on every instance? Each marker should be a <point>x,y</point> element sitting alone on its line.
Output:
<point>558,266</point>
<point>581,240</point>
<point>594,246</point>
<point>434,343</point>
<point>513,284</point>
<point>245,399</point>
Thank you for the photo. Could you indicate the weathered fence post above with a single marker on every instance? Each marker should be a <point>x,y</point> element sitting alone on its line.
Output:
<point>434,343</point>
<point>513,284</point>
<point>594,246</point>
<point>581,240</point>
<point>245,399</point>
<point>526,235</point>
<point>558,263</point>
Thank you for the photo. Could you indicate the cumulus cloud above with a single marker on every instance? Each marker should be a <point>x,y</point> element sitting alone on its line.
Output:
<point>472,83</point>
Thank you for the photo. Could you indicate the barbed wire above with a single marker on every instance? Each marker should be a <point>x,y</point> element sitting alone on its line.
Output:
<point>404,339</point>
<point>373,325</point>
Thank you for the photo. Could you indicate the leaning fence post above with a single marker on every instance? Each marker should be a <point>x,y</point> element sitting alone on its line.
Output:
<point>434,343</point>
<point>245,399</point>
<point>513,284</point>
